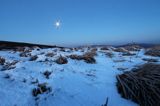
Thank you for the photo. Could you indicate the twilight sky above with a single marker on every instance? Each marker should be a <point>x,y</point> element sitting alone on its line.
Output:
<point>82,21</point>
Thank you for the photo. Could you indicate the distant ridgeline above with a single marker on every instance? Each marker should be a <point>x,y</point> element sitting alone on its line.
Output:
<point>145,45</point>
<point>15,45</point>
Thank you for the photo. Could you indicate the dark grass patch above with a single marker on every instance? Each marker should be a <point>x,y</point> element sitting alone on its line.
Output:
<point>150,60</point>
<point>120,49</point>
<point>25,54</point>
<point>88,57</point>
<point>9,66</point>
<point>33,58</point>
<point>41,88</point>
<point>133,47</point>
<point>104,48</point>
<point>50,54</point>
<point>155,51</point>
<point>141,85</point>
<point>2,60</point>
<point>61,60</point>
<point>47,74</point>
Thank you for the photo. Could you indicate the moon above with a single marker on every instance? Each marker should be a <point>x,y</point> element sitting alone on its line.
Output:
<point>57,24</point>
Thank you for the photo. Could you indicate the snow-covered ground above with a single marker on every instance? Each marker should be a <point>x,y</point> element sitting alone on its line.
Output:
<point>76,83</point>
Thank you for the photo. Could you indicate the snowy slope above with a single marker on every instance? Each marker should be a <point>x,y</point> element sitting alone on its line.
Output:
<point>76,83</point>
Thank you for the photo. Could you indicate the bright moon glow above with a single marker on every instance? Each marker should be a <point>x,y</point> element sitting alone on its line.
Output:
<point>57,24</point>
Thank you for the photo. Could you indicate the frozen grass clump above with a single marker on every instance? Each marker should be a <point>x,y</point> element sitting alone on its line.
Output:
<point>41,88</point>
<point>155,51</point>
<point>88,57</point>
<point>142,85</point>
<point>50,54</point>
<point>2,61</point>
<point>33,58</point>
<point>61,60</point>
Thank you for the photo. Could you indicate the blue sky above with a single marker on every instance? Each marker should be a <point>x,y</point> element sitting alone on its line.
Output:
<point>83,21</point>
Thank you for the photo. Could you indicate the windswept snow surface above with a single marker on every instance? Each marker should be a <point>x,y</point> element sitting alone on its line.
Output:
<point>76,83</point>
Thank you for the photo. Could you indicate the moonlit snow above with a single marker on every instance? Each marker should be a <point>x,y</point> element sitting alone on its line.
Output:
<point>76,83</point>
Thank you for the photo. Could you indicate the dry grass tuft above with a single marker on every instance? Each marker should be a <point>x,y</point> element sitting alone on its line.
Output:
<point>104,48</point>
<point>33,58</point>
<point>9,66</point>
<point>50,54</point>
<point>133,47</point>
<point>2,60</point>
<point>42,88</point>
<point>150,60</point>
<point>120,49</point>
<point>88,57</point>
<point>142,85</point>
<point>47,74</point>
<point>61,60</point>
<point>155,51</point>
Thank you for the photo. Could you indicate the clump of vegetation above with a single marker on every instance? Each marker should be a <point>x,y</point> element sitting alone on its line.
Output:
<point>155,51</point>
<point>20,49</point>
<point>47,74</point>
<point>62,49</point>
<point>33,58</point>
<point>142,85</point>
<point>133,47</point>
<point>24,51</point>
<point>61,60</point>
<point>2,61</point>
<point>9,66</point>
<point>76,57</point>
<point>104,48</point>
<point>41,88</point>
<point>50,54</point>
<point>25,54</point>
<point>87,57</point>
<point>120,49</point>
